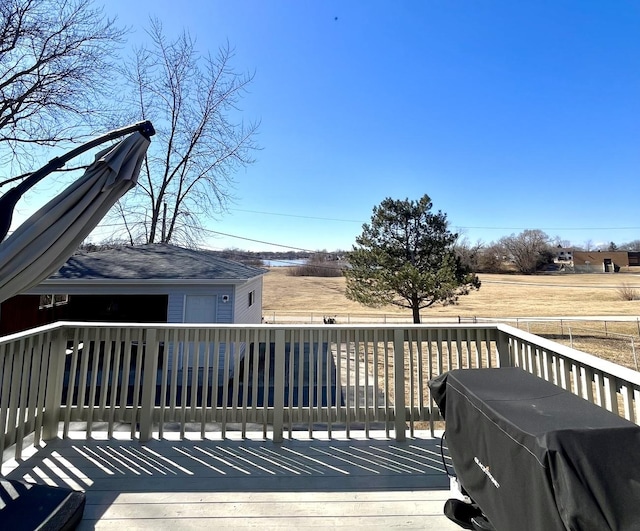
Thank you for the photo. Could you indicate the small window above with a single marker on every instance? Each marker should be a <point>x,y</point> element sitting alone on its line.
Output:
<point>48,301</point>
<point>252,297</point>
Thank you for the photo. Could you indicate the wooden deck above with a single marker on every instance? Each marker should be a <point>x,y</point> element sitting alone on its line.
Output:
<point>354,483</point>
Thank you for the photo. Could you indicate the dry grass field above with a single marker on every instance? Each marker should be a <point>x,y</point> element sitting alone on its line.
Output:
<point>500,296</point>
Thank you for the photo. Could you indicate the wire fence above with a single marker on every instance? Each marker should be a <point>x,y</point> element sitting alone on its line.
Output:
<point>612,338</point>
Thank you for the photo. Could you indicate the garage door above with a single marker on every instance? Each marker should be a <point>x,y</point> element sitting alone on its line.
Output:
<point>200,309</point>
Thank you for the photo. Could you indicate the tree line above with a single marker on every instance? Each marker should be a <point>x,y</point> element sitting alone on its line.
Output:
<point>528,252</point>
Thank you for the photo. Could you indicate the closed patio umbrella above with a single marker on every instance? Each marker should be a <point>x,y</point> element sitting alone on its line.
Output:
<point>41,245</point>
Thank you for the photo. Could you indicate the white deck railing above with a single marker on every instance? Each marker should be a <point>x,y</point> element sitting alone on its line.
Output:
<point>156,378</point>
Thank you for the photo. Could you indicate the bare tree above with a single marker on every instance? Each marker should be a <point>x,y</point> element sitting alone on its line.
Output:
<point>468,252</point>
<point>559,242</point>
<point>491,258</point>
<point>193,102</point>
<point>528,250</point>
<point>55,58</point>
<point>631,246</point>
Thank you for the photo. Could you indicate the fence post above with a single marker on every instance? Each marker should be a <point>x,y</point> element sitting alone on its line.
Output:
<point>149,383</point>
<point>400,412</point>
<point>570,338</point>
<point>53,397</point>
<point>278,387</point>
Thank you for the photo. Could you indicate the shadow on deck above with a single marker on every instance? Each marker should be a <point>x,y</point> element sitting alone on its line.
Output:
<point>171,483</point>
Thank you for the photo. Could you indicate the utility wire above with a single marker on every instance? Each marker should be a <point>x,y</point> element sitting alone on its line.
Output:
<point>458,226</point>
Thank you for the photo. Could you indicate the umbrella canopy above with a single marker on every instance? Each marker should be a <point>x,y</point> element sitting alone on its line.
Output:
<point>41,245</point>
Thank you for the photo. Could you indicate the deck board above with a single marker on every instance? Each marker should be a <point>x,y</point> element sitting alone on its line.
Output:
<point>252,483</point>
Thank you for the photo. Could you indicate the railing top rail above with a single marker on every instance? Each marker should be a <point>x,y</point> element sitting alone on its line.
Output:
<point>29,333</point>
<point>67,325</point>
<point>580,357</point>
<point>318,326</point>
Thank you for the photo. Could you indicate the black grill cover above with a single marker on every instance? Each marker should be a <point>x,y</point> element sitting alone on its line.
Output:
<point>535,457</point>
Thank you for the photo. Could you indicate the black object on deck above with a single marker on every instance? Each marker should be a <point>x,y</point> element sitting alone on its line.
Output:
<point>535,457</point>
<point>26,507</point>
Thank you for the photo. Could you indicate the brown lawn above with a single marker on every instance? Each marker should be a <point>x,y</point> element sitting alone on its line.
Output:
<point>499,296</point>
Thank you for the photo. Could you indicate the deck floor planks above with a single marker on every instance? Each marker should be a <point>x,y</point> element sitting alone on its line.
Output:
<point>230,484</point>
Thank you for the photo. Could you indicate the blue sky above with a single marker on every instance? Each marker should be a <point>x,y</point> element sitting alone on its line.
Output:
<point>510,115</point>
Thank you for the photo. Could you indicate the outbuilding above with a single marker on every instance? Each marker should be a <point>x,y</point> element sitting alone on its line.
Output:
<point>149,283</point>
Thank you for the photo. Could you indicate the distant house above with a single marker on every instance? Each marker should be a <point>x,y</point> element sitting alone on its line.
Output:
<point>150,283</point>
<point>563,254</point>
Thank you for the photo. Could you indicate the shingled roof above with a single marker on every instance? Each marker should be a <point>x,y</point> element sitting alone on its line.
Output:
<point>153,262</point>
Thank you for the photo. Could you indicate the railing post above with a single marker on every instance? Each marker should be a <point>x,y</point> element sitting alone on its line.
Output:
<point>149,383</point>
<point>53,397</point>
<point>278,388</point>
<point>505,357</point>
<point>400,413</point>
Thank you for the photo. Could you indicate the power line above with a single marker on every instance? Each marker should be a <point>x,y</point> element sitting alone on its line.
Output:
<point>281,214</point>
<point>257,241</point>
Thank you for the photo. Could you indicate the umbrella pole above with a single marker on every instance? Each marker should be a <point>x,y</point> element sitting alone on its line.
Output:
<point>9,200</point>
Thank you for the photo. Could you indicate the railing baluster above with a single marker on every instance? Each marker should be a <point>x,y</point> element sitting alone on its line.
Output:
<point>114,379</point>
<point>612,394</point>
<point>245,379</point>
<point>340,341</point>
<point>34,386</point>
<point>185,356</point>
<point>54,385</point>
<point>205,383</point>
<point>106,364</point>
<point>71,383</point>
<point>45,346</point>
<point>278,386</point>
<point>94,381</point>
<point>366,390</point>
<point>225,380</point>
<point>195,373</point>
<point>254,382</point>
<point>267,383</point>
<point>126,375</point>
<point>148,400</point>
<point>6,369</point>
<point>336,376</point>
<point>215,380</point>
<point>412,381</point>
<point>235,358</point>
<point>135,402</point>
<point>400,411</point>
<point>388,337</point>
<point>326,337</point>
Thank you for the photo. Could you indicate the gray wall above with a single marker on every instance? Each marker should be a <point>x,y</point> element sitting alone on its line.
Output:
<point>245,314</point>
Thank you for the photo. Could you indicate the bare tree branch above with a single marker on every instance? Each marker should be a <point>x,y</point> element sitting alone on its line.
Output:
<point>55,58</point>
<point>193,101</point>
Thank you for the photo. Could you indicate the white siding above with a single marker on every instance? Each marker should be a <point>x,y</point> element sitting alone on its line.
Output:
<point>243,313</point>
